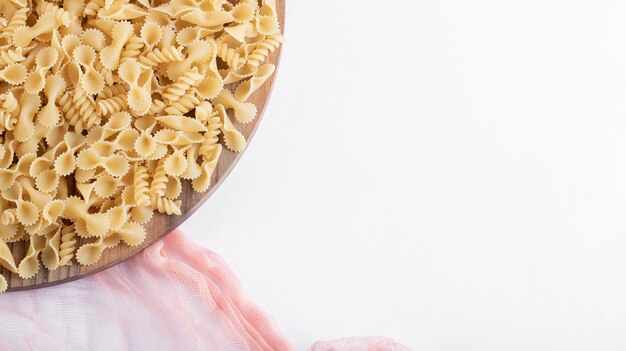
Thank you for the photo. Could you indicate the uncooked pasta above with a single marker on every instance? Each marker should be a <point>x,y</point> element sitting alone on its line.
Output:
<point>107,107</point>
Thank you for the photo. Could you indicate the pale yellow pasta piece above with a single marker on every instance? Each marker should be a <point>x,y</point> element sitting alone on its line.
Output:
<point>243,12</point>
<point>245,112</point>
<point>151,34</point>
<point>188,35</point>
<point>199,51</point>
<point>141,186</point>
<point>267,25</point>
<point>47,22</point>
<point>177,138</point>
<point>230,76</point>
<point>263,49</point>
<point>113,90</point>
<point>123,12</point>
<point>8,111</point>
<point>14,74</point>
<point>106,185</point>
<point>141,214</point>
<point>233,139</point>
<point>29,266</point>
<point>186,103</point>
<point>242,31</point>
<point>8,230</point>
<point>133,48</point>
<point>207,18</point>
<point>113,104</point>
<point>145,144</point>
<point>6,258</point>
<point>96,224</point>
<point>40,199</point>
<point>174,187</point>
<point>86,113</point>
<point>126,139</point>
<point>161,55</point>
<point>91,80</point>
<point>204,111</point>
<point>182,85</point>
<point>45,59</point>
<point>247,88</point>
<point>115,165</point>
<point>166,205</point>
<point>232,56</point>
<point>94,38</point>
<point>210,87</point>
<point>131,233</point>
<point>8,56</point>
<point>182,123</point>
<point>50,254</point>
<point>139,100</point>
<point>92,7</point>
<point>176,163</point>
<point>175,8</point>
<point>211,137</point>
<point>203,182</point>
<point>25,126</point>
<point>159,180</point>
<point>268,8</point>
<point>193,170</point>
<point>67,247</point>
<point>18,19</point>
<point>53,211</point>
<point>111,54</point>
<point>169,37</point>
<point>89,254</point>
<point>50,115</point>
<point>118,216</point>
<point>47,181</point>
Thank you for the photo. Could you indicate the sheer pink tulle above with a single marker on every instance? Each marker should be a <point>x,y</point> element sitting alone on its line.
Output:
<point>175,295</point>
<point>359,344</point>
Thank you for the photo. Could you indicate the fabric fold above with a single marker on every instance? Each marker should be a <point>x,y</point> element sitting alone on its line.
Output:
<point>175,295</point>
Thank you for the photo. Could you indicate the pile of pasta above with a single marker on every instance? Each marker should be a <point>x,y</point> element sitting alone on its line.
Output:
<point>106,106</point>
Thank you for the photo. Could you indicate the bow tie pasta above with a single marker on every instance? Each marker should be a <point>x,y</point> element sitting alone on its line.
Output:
<point>106,107</point>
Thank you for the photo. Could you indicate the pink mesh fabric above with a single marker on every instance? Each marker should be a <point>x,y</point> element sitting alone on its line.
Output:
<point>175,295</point>
<point>359,344</point>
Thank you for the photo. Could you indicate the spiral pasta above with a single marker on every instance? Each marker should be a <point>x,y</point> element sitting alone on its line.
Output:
<point>141,187</point>
<point>109,107</point>
<point>263,48</point>
<point>67,248</point>
<point>182,85</point>
<point>17,20</point>
<point>133,48</point>
<point>10,56</point>
<point>159,181</point>
<point>231,56</point>
<point>186,103</point>
<point>166,205</point>
<point>113,104</point>
<point>164,55</point>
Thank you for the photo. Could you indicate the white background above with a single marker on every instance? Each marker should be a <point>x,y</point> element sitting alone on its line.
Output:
<point>451,174</point>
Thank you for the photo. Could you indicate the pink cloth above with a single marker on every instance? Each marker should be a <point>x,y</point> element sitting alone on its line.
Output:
<point>359,344</point>
<point>175,295</point>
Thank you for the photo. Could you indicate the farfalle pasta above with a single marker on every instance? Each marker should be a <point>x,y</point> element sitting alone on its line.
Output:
<point>108,106</point>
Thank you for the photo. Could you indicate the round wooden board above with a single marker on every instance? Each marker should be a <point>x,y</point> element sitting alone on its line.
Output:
<point>160,225</point>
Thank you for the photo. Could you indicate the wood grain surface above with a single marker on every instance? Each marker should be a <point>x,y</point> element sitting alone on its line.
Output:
<point>160,225</point>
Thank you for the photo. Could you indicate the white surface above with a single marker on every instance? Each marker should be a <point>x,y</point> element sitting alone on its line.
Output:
<point>451,174</point>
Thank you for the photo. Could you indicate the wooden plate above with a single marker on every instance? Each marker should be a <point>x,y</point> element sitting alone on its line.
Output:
<point>160,224</point>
